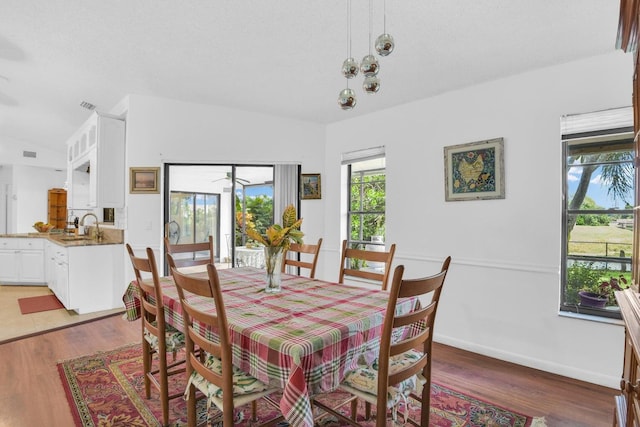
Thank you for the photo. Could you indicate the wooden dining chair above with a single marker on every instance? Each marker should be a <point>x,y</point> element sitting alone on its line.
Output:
<point>402,371</point>
<point>214,375</point>
<point>360,257</point>
<point>191,254</point>
<point>157,336</point>
<point>302,256</point>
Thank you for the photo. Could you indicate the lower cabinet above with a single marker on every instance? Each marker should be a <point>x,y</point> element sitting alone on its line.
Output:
<point>627,403</point>
<point>22,261</point>
<point>58,272</point>
<point>87,278</point>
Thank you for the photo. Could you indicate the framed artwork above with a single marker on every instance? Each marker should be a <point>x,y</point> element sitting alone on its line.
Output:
<point>144,180</point>
<point>474,171</point>
<point>310,186</point>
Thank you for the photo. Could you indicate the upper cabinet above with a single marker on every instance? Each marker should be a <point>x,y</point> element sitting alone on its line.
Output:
<point>96,165</point>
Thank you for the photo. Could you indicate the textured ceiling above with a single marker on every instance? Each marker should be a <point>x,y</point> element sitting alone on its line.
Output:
<point>281,56</point>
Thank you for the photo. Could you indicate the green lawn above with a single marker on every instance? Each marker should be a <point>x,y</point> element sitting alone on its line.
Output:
<point>600,240</point>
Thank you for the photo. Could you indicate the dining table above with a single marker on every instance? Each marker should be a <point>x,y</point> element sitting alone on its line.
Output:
<point>302,340</point>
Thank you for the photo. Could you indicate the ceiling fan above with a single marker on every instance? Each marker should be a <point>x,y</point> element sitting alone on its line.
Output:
<point>228,178</point>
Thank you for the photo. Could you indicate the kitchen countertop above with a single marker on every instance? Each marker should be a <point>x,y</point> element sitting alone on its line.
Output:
<point>111,237</point>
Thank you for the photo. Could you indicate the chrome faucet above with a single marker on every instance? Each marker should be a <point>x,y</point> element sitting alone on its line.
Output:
<point>98,232</point>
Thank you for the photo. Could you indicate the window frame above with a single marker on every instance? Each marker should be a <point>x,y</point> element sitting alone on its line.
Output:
<point>607,139</point>
<point>351,213</point>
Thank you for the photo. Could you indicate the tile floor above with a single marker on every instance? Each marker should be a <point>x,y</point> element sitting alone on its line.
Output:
<point>15,324</point>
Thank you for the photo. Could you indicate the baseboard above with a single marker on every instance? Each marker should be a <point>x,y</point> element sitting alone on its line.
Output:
<point>530,362</point>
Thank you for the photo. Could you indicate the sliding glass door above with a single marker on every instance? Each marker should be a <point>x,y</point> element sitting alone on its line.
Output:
<point>219,200</point>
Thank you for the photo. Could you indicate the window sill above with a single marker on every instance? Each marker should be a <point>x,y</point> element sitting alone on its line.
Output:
<point>591,318</point>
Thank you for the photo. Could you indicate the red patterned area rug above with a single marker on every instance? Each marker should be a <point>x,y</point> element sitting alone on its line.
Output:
<point>107,389</point>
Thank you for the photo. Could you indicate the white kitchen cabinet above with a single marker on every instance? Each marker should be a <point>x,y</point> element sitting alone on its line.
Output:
<point>96,165</point>
<point>9,266</point>
<point>22,261</point>
<point>57,271</point>
<point>87,278</point>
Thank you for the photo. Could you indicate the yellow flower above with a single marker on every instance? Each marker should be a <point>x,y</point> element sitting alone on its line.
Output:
<point>280,235</point>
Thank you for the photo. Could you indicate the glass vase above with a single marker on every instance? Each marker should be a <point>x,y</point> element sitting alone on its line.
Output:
<point>273,264</point>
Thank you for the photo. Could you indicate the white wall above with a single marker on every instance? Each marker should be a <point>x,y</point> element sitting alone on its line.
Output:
<point>11,153</point>
<point>28,196</point>
<point>25,179</point>
<point>6,183</point>
<point>502,293</point>
<point>165,131</point>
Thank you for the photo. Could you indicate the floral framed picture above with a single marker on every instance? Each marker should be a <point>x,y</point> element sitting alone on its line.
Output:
<point>144,180</point>
<point>310,186</point>
<point>474,171</point>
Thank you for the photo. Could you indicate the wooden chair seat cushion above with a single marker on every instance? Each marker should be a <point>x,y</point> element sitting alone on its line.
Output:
<point>244,385</point>
<point>174,339</point>
<point>365,379</point>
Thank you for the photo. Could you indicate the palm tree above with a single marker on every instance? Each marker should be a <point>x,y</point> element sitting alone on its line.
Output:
<point>616,171</point>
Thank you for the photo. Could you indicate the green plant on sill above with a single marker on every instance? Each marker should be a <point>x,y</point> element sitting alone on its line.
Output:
<point>607,288</point>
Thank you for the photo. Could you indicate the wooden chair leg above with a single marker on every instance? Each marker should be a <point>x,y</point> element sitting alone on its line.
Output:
<point>164,387</point>
<point>146,363</point>
<point>354,409</point>
<point>367,411</point>
<point>191,407</point>
<point>254,411</point>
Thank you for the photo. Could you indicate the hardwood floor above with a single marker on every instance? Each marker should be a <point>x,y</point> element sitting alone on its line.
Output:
<point>32,393</point>
<point>560,400</point>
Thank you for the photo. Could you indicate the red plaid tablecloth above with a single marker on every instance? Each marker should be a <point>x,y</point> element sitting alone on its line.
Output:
<point>301,340</point>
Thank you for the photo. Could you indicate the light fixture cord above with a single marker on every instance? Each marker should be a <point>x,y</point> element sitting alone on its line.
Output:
<point>348,33</point>
<point>348,28</point>
<point>370,25</point>
<point>384,19</point>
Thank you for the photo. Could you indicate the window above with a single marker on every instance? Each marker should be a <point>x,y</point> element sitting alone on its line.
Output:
<point>366,204</point>
<point>599,188</point>
<point>193,217</point>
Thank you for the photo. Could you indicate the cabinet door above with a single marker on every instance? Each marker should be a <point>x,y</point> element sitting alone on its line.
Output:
<point>93,178</point>
<point>31,266</point>
<point>62,283</point>
<point>110,171</point>
<point>9,267</point>
<point>50,265</point>
<point>69,184</point>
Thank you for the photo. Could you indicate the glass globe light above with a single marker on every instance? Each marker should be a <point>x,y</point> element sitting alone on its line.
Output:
<point>369,66</point>
<point>384,44</point>
<point>347,99</point>
<point>371,85</point>
<point>350,68</point>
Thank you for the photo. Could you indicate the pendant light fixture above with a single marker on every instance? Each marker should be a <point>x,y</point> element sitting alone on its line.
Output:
<point>369,66</point>
<point>347,98</point>
<point>384,42</point>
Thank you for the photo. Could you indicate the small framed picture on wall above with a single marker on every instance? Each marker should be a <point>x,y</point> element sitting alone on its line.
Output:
<point>144,180</point>
<point>474,171</point>
<point>310,186</point>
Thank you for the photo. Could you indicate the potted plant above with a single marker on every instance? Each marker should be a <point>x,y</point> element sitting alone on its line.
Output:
<point>603,294</point>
